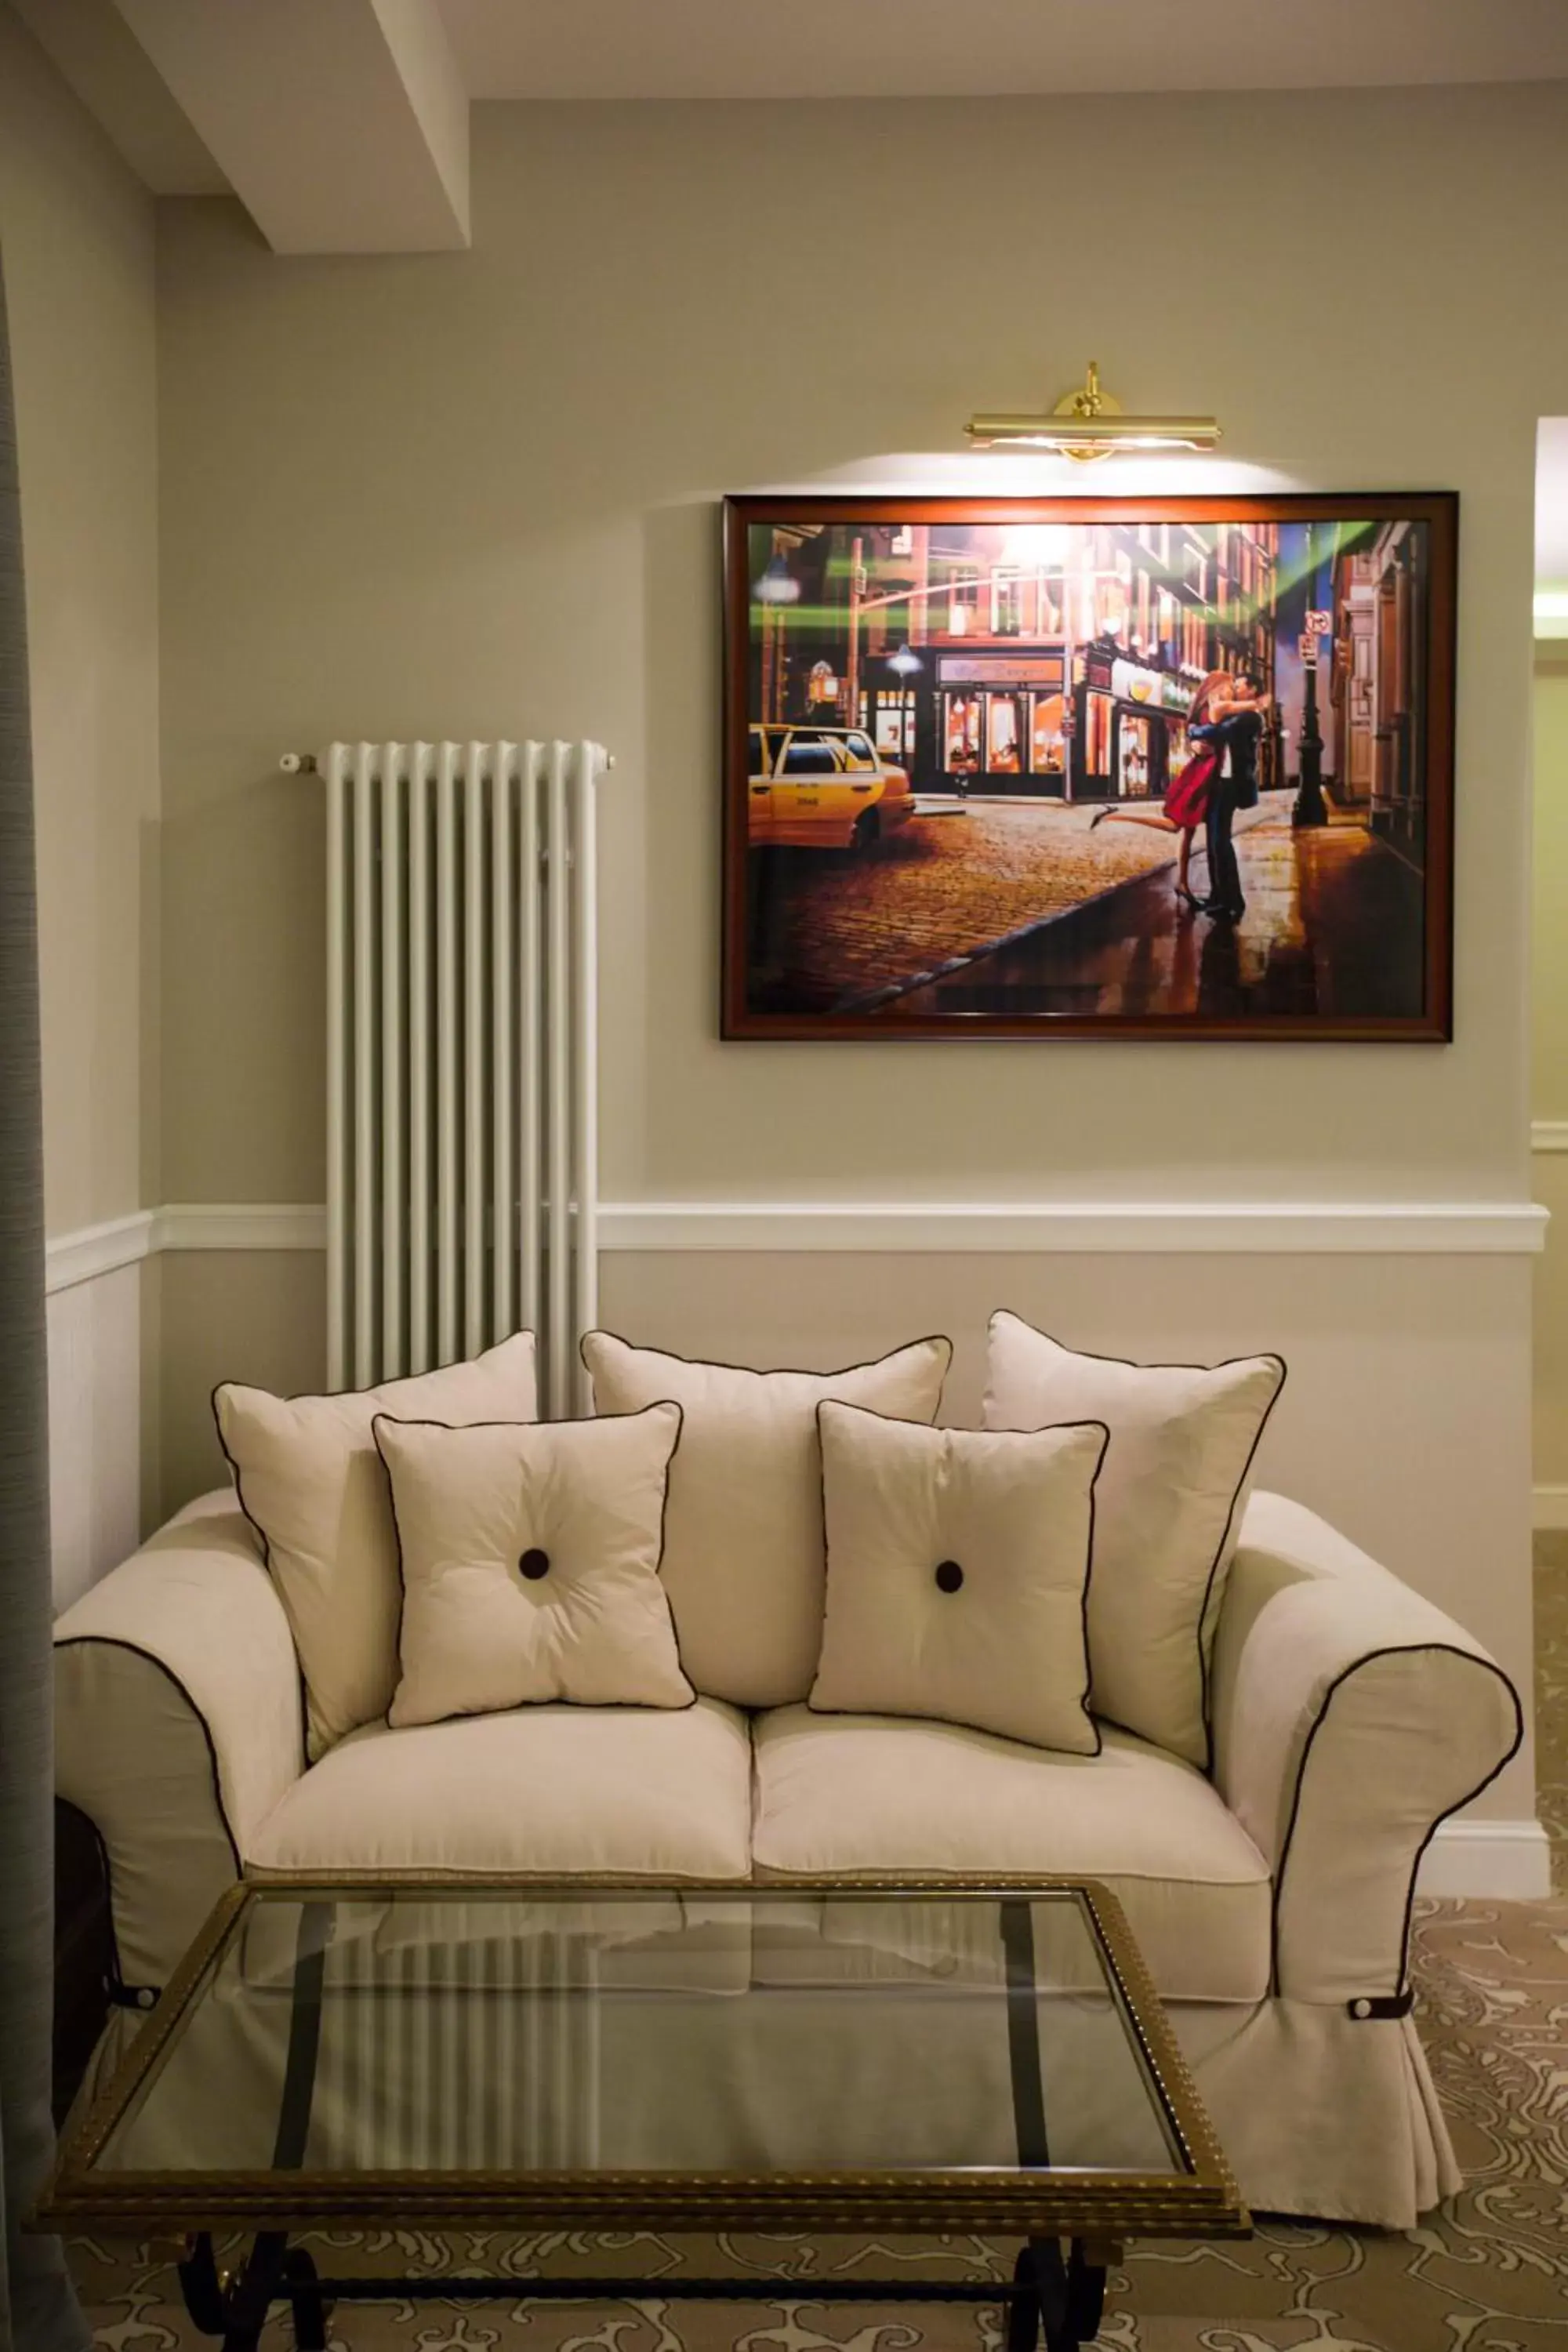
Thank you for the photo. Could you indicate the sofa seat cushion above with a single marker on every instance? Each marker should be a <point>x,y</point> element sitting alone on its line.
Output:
<point>551,1792</point>
<point>870,1797</point>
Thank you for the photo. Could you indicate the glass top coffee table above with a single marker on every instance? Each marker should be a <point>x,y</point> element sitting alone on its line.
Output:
<point>920,2058</point>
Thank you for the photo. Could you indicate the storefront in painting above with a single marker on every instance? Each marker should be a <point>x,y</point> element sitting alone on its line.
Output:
<point>1055,662</point>
<point>1053,722</point>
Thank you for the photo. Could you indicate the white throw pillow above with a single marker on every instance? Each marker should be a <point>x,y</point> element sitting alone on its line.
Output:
<point>743,1558</point>
<point>531,1564</point>
<point>1167,1510</point>
<point>957,1562</point>
<point>312,1485</point>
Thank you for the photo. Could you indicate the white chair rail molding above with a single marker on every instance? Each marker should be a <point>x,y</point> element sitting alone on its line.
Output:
<point>1231,1228</point>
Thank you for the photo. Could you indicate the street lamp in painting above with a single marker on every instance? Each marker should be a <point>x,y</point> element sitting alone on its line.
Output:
<point>775,588</point>
<point>776,585</point>
<point>897,733</point>
<point>1310,808</point>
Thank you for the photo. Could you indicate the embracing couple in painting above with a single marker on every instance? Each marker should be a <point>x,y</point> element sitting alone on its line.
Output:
<point>1227,723</point>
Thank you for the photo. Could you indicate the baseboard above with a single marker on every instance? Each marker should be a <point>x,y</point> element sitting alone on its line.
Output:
<point>1549,1507</point>
<point>1498,1861</point>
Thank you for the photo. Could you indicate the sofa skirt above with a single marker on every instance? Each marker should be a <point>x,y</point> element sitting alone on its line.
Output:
<point>1321,2116</point>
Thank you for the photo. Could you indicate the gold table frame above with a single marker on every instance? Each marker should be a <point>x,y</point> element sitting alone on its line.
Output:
<point>1058,2294</point>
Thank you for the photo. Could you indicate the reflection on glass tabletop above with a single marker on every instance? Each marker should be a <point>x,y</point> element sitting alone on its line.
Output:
<point>930,2054</point>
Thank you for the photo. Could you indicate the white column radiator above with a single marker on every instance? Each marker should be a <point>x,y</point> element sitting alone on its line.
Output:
<point>461,1056</point>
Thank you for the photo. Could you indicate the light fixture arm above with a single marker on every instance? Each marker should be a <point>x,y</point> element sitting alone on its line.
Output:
<point>1089,400</point>
<point>1089,422</point>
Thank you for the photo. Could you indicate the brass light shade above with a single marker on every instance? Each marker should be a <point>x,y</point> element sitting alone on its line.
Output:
<point>1090,423</point>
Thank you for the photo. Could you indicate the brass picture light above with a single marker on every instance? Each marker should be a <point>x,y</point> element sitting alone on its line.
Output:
<point>1090,423</point>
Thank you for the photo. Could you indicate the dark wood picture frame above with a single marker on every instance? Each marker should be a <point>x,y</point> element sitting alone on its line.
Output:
<point>1382,701</point>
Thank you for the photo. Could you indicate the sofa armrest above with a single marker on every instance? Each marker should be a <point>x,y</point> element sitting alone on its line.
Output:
<point>177,1723</point>
<point>1350,1718</point>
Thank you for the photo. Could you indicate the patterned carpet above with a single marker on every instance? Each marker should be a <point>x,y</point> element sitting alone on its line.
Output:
<point>1488,2273</point>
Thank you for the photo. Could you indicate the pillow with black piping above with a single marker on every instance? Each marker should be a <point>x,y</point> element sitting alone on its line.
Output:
<point>312,1484</point>
<point>958,1562</point>
<point>1169,1504</point>
<point>530,1555</point>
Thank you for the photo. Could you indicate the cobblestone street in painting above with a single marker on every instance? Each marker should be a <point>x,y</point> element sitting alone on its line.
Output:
<point>1332,925</point>
<point>959,876</point>
<point>953,881</point>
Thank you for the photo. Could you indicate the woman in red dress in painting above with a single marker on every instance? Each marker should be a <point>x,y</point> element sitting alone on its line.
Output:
<point>1186,801</point>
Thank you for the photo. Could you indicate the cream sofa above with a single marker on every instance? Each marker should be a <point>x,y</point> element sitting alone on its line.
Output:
<point>1271,1898</point>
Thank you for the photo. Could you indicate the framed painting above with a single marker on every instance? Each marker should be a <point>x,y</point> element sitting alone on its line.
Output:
<point>1089,767</point>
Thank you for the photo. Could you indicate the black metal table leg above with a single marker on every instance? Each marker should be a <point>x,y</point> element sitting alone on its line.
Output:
<point>311,2309</point>
<point>1064,2309</point>
<point>199,2286</point>
<point>251,2295</point>
<point>236,2307</point>
<point>1055,2319</point>
<point>1023,2310</point>
<point>1086,2294</point>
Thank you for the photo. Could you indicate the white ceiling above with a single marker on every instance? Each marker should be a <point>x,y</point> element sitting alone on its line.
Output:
<point>935,48</point>
<point>111,72</point>
<point>146,67</point>
<point>342,125</point>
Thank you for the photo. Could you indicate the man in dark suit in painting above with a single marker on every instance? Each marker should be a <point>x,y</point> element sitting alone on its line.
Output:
<point>1234,729</point>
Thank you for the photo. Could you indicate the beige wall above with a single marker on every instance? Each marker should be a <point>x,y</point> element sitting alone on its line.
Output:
<point>77,236</point>
<point>475,494</point>
<point>1550,1088</point>
<point>226,1315</point>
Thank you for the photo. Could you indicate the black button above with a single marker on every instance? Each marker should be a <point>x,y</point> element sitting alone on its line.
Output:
<point>949,1576</point>
<point>534,1563</point>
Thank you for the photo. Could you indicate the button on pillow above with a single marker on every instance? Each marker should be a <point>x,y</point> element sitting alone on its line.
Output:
<point>957,1562</point>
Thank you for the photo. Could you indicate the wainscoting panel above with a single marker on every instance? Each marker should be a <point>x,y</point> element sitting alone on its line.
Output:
<point>95,1425</point>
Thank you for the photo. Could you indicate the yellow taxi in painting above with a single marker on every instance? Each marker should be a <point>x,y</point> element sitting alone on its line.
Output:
<point>822,788</point>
